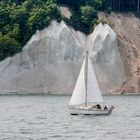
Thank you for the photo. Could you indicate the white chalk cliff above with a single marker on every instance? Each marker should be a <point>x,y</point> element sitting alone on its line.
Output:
<point>51,61</point>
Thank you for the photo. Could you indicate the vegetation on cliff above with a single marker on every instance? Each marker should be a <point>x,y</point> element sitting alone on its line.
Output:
<point>19,19</point>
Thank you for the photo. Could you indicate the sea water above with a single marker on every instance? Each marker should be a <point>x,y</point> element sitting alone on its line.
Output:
<point>46,117</point>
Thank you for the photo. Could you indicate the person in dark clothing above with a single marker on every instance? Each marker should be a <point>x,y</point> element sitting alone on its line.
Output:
<point>105,108</point>
<point>98,106</point>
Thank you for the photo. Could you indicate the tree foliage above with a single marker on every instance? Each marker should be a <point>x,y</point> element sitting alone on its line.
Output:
<point>8,46</point>
<point>19,19</point>
<point>88,15</point>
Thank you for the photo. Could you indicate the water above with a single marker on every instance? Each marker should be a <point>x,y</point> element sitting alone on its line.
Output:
<point>46,117</point>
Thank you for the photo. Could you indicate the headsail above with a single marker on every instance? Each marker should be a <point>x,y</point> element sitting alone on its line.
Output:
<point>93,91</point>
<point>78,96</point>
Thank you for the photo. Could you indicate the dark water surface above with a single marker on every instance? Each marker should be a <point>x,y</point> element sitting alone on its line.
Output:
<point>41,117</point>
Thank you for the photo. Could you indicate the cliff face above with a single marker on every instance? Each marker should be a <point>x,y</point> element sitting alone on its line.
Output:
<point>51,61</point>
<point>106,58</point>
<point>127,28</point>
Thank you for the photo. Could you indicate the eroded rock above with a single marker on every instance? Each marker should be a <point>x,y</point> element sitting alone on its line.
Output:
<point>51,61</point>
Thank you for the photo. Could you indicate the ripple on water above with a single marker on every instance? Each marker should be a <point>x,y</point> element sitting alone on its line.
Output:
<point>47,117</point>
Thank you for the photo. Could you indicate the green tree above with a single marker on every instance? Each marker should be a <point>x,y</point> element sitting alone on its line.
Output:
<point>41,17</point>
<point>4,14</point>
<point>18,14</point>
<point>38,19</point>
<point>88,15</point>
<point>8,46</point>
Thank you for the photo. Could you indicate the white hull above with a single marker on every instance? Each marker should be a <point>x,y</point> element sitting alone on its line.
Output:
<point>90,112</point>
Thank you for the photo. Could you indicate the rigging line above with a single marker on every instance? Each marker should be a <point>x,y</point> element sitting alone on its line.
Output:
<point>86,72</point>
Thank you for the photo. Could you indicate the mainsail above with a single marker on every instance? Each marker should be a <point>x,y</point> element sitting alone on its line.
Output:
<point>78,96</point>
<point>86,89</point>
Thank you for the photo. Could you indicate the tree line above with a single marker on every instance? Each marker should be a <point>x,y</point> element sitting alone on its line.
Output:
<point>123,5</point>
<point>112,5</point>
<point>19,19</point>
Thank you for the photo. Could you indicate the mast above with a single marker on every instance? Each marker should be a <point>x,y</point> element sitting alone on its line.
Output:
<point>86,72</point>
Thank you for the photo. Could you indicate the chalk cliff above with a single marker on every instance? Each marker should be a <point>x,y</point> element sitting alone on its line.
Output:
<point>51,61</point>
<point>127,28</point>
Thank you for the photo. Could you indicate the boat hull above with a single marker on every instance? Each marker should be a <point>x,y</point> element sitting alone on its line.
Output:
<point>90,112</point>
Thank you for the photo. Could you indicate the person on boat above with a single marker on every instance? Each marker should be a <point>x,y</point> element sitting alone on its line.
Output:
<point>105,108</point>
<point>98,106</point>
<point>112,107</point>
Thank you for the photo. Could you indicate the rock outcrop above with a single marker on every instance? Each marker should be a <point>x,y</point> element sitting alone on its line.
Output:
<point>107,61</point>
<point>51,61</point>
<point>127,28</point>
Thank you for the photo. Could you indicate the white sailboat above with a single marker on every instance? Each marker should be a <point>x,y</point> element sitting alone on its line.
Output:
<point>86,97</point>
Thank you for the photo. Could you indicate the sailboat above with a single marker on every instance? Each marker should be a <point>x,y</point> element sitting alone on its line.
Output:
<point>87,98</point>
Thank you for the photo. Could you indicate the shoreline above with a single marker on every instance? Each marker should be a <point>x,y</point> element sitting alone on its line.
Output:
<point>57,94</point>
